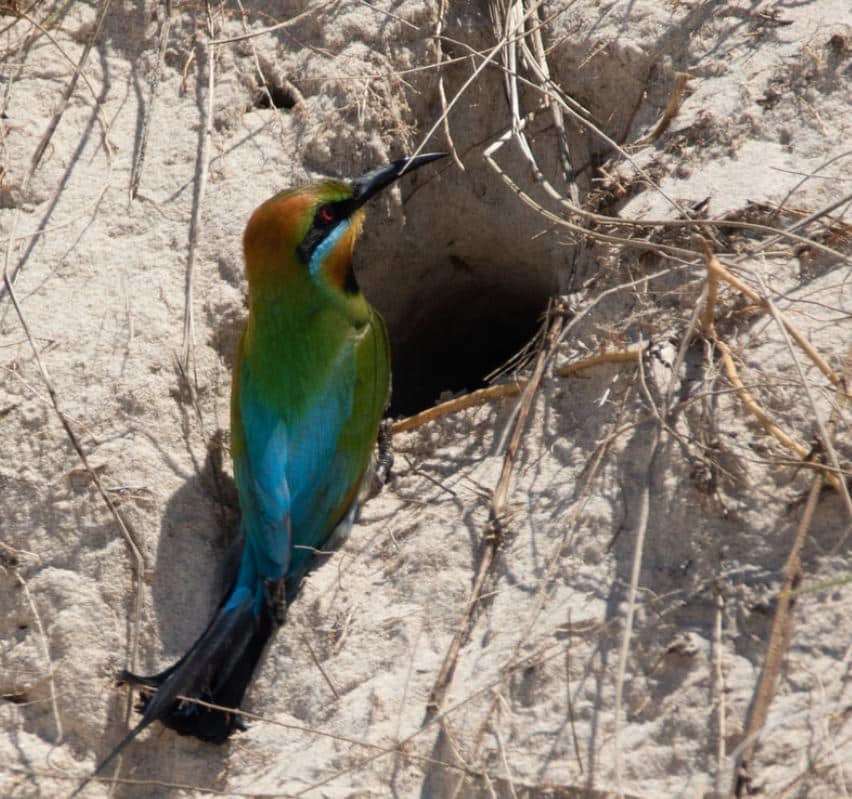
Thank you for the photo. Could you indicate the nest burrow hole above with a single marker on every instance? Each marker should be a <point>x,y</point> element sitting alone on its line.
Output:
<point>457,307</point>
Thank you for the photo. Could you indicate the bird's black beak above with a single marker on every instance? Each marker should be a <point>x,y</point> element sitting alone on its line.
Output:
<point>372,183</point>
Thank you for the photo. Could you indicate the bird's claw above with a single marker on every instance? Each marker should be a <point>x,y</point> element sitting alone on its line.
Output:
<point>276,598</point>
<point>384,459</point>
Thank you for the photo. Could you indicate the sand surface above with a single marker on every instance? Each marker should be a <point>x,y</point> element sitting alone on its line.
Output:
<point>587,671</point>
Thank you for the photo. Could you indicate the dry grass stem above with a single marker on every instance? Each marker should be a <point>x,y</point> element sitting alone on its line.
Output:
<point>719,689</point>
<point>54,704</point>
<point>318,663</point>
<point>187,362</point>
<point>69,90</point>
<point>635,569</point>
<point>713,265</point>
<point>825,438</point>
<point>138,560</point>
<point>714,272</point>
<point>669,113</point>
<point>776,649</point>
<point>287,23</point>
<point>442,93</point>
<point>494,533</point>
<point>163,39</point>
<point>502,390</point>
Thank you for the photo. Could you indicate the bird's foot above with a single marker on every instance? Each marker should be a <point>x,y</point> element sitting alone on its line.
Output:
<point>384,459</point>
<point>276,598</point>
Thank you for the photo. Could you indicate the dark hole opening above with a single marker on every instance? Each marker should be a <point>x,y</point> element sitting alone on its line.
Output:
<point>455,341</point>
<point>279,96</point>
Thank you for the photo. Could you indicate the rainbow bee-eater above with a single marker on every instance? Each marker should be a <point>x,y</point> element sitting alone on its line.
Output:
<point>310,384</point>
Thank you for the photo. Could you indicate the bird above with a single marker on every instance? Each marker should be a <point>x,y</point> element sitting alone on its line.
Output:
<point>310,384</point>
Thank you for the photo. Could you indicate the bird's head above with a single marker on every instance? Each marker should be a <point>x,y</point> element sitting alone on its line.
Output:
<point>308,233</point>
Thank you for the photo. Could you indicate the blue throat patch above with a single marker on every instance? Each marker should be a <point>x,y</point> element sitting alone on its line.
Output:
<point>326,246</point>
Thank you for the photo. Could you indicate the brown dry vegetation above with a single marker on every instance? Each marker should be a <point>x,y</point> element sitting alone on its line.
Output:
<point>619,568</point>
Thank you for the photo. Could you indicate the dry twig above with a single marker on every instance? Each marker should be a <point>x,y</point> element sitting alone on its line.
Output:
<point>714,271</point>
<point>670,112</point>
<point>69,90</point>
<point>502,390</point>
<point>139,161</point>
<point>442,94</point>
<point>719,685</point>
<point>187,362</point>
<point>825,438</point>
<point>494,533</point>
<point>779,643</point>
<point>635,568</point>
<point>138,559</point>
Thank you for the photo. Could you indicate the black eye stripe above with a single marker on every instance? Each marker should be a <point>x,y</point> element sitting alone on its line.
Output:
<point>321,227</point>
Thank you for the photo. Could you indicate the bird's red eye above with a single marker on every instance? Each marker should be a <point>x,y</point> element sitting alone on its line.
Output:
<point>326,214</point>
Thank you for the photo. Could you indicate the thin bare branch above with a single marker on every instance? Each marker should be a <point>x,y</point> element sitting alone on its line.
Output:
<point>187,362</point>
<point>163,37</point>
<point>69,90</point>
<point>495,531</point>
<point>776,650</point>
<point>287,23</point>
<point>825,439</point>
<point>138,560</point>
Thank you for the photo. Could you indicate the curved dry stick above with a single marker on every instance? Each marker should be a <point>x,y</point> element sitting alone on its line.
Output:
<point>775,233</point>
<point>139,161</point>
<point>138,558</point>
<point>493,534</point>
<point>187,348</point>
<point>69,90</point>
<point>549,89</point>
<point>777,648</point>
<point>714,271</point>
<point>714,266</point>
<point>825,437</point>
<point>442,94</point>
<point>485,395</point>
